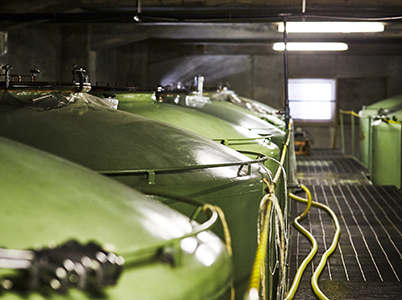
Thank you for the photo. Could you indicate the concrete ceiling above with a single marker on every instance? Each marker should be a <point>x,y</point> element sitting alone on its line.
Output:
<point>193,10</point>
<point>209,22</point>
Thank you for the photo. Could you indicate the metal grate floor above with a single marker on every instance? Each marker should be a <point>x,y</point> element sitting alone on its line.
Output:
<point>330,167</point>
<point>367,263</point>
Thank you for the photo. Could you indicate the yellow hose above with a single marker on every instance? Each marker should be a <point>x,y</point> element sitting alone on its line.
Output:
<point>330,250</point>
<point>258,271</point>
<point>254,285</point>
<point>226,232</point>
<point>393,122</point>
<point>349,112</point>
<point>283,156</point>
<point>296,281</point>
<point>265,210</point>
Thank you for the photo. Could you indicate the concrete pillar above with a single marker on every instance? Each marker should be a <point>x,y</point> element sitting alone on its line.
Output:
<point>3,47</point>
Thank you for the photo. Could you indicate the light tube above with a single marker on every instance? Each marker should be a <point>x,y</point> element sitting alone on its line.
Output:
<point>340,27</point>
<point>311,46</point>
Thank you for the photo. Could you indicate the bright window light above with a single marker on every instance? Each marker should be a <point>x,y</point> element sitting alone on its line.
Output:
<point>311,46</point>
<point>312,98</point>
<point>340,27</point>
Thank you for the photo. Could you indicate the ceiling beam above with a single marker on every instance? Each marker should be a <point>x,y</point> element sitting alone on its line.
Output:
<point>112,35</point>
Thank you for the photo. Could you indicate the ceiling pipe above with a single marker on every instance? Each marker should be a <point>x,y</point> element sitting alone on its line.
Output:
<point>137,17</point>
<point>286,72</point>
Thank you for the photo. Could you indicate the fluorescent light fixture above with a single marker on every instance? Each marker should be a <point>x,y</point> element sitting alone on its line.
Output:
<point>311,46</point>
<point>340,27</point>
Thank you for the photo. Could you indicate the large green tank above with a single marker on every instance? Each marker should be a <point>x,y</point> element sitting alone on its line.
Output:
<point>62,226</point>
<point>145,154</point>
<point>381,141</point>
<point>163,106</point>
<point>367,115</point>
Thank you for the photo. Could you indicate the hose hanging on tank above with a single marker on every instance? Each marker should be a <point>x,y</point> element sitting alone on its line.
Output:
<point>268,202</point>
<point>226,232</point>
<point>280,223</point>
<point>259,262</point>
<point>204,207</point>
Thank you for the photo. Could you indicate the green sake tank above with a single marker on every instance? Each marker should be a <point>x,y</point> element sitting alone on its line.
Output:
<point>47,200</point>
<point>381,141</point>
<point>367,115</point>
<point>163,107</point>
<point>150,156</point>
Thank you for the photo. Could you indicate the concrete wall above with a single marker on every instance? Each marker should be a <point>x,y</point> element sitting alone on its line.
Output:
<point>261,77</point>
<point>34,47</point>
<point>126,64</point>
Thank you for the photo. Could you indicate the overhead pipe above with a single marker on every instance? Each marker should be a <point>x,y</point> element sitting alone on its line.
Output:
<point>286,71</point>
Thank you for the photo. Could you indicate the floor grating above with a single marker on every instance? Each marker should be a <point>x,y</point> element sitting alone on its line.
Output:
<point>367,263</point>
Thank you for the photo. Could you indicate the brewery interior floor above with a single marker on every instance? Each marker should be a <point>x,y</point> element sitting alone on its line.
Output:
<point>367,262</point>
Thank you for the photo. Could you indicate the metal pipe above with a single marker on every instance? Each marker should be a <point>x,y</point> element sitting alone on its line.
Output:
<point>353,135</point>
<point>342,132</point>
<point>7,75</point>
<point>151,173</point>
<point>286,72</point>
<point>370,145</point>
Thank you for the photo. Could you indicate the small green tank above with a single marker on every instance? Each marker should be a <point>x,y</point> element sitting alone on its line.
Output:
<point>69,233</point>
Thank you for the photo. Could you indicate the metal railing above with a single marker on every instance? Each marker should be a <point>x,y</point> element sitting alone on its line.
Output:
<point>151,173</point>
<point>353,115</point>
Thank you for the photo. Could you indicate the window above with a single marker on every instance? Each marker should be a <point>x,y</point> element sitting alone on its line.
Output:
<point>312,98</point>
